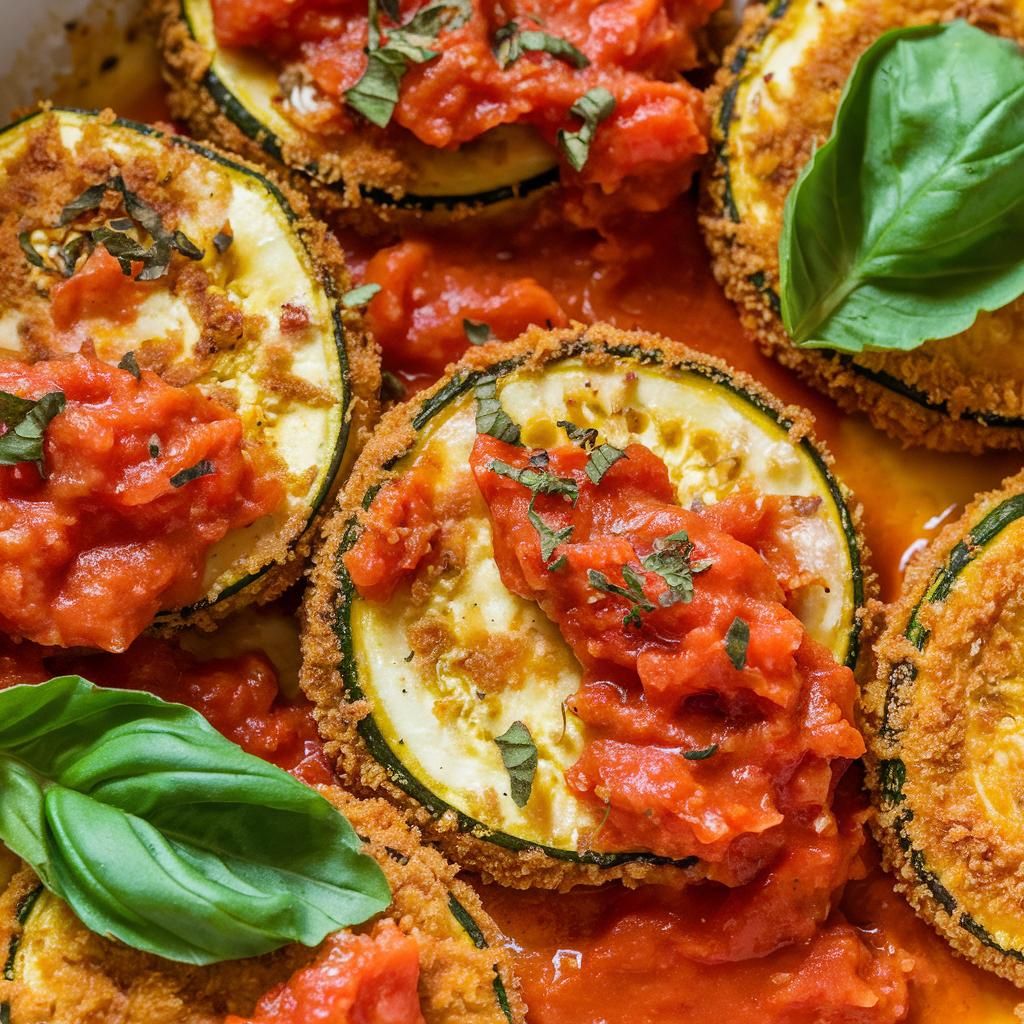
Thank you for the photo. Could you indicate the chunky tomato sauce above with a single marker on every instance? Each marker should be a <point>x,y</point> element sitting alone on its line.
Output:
<point>645,151</point>
<point>355,979</point>
<point>139,480</point>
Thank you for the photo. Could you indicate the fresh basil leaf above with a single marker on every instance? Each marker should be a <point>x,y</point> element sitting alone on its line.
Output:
<point>354,298</point>
<point>519,756</point>
<point>671,560</point>
<point>633,592</point>
<point>30,251</point>
<point>25,423</point>
<point>540,459</point>
<point>737,639</point>
<point>910,219</point>
<point>586,438</point>
<point>223,239</point>
<point>202,468</point>
<point>476,332</point>
<point>593,107</point>
<point>511,42</point>
<point>162,833</point>
<point>71,251</point>
<point>491,418</point>
<point>392,387</point>
<point>549,539</point>
<point>538,481</point>
<point>601,459</point>
<point>91,199</point>
<point>375,95</point>
<point>701,755</point>
<point>131,364</point>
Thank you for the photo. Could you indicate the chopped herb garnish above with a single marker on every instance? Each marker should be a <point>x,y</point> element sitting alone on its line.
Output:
<point>91,199</point>
<point>223,239</point>
<point>392,387</point>
<point>538,481</point>
<point>491,418</point>
<point>632,592</point>
<point>131,364</point>
<point>519,756</point>
<point>477,333</point>
<point>70,252</point>
<point>558,563</point>
<point>549,539</point>
<point>202,468</point>
<point>601,459</point>
<point>390,51</point>
<point>592,107</point>
<point>737,638</point>
<point>511,42</point>
<point>31,254</point>
<point>154,446</point>
<point>701,755</point>
<point>25,421</point>
<point>409,656</point>
<point>672,562</point>
<point>585,437</point>
<point>540,459</point>
<point>356,297</point>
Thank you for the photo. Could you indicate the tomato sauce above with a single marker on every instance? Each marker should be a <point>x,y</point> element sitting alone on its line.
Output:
<point>139,480</point>
<point>355,979</point>
<point>645,151</point>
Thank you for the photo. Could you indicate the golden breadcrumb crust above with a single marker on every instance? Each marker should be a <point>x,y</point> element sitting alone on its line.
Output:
<point>975,372</point>
<point>942,726</point>
<point>32,192</point>
<point>321,677</point>
<point>76,977</point>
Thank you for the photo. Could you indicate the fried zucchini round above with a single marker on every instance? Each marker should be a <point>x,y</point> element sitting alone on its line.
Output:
<point>250,313</point>
<point>234,98</point>
<point>58,971</point>
<point>431,676</point>
<point>774,101</point>
<point>943,720</point>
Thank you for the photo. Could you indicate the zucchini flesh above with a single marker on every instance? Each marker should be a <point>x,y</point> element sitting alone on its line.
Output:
<point>508,162</point>
<point>432,722</point>
<point>946,738</point>
<point>267,267</point>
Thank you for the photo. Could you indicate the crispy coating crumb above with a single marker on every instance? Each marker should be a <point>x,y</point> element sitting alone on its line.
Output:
<point>321,652</point>
<point>763,144</point>
<point>32,193</point>
<point>942,721</point>
<point>64,974</point>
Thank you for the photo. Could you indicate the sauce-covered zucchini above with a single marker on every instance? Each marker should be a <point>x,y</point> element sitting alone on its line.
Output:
<point>435,672</point>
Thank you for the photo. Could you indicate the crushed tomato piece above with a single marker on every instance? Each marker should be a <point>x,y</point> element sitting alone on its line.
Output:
<point>355,979</point>
<point>646,150</point>
<point>92,551</point>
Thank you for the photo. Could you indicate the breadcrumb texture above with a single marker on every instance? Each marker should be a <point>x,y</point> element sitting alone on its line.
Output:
<point>764,133</point>
<point>33,190</point>
<point>949,821</point>
<point>322,655</point>
<point>61,973</point>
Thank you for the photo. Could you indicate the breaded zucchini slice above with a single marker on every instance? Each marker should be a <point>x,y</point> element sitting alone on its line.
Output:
<point>412,691</point>
<point>235,98</point>
<point>247,309</point>
<point>58,971</point>
<point>773,102</point>
<point>942,720</point>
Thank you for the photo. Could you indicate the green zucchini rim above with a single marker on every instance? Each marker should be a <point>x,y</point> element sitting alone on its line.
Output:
<point>324,279</point>
<point>377,746</point>
<point>464,918</point>
<point>724,118</point>
<point>250,126</point>
<point>892,771</point>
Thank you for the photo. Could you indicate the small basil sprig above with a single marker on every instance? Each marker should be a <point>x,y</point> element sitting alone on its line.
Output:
<point>909,221</point>
<point>161,833</point>
<point>511,42</point>
<point>593,107</point>
<point>375,95</point>
<point>25,422</point>
<point>519,756</point>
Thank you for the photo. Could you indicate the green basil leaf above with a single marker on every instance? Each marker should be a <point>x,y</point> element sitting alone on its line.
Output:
<point>594,106</point>
<point>585,438</point>
<point>910,220</point>
<point>477,333</point>
<point>223,239</point>
<point>633,592</point>
<point>356,297</point>
<point>204,467</point>
<point>162,833</point>
<point>519,756</point>
<point>491,417</point>
<point>91,199</point>
<point>26,422</point>
<point>131,364</point>
<point>737,639</point>
<point>549,539</point>
<point>601,459</point>
<point>538,481</point>
<point>511,42</point>
<point>30,251</point>
<point>671,560</point>
<point>702,754</point>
